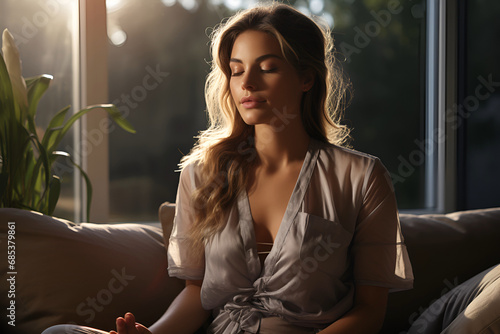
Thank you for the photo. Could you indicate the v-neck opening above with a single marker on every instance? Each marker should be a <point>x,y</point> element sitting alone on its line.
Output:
<point>291,210</point>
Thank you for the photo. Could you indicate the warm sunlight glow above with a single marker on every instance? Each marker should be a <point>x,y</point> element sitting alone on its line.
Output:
<point>118,37</point>
<point>113,5</point>
<point>169,3</point>
<point>189,5</point>
<point>316,6</point>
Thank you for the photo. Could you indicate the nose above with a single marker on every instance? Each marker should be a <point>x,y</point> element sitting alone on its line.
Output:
<point>249,81</point>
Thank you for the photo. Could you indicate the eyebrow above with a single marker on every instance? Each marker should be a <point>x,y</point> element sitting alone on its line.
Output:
<point>258,60</point>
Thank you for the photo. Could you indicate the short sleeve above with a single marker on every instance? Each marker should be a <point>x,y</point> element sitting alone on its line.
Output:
<point>183,262</point>
<point>379,254</point>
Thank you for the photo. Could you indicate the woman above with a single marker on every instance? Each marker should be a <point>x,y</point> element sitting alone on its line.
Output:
<point>278,228</point>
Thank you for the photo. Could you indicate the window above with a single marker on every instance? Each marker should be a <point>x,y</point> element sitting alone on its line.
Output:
<point>414,65</point>
<point>158,54</point>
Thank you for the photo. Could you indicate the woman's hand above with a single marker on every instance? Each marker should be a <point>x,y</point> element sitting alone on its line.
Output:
<point>127,325</point>
<point>367,314</point>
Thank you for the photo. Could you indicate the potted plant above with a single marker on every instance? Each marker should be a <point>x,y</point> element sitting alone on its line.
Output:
<point>27,180</point>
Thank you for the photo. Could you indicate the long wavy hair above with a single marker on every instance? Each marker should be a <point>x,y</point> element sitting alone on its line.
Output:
<point>225,151</point>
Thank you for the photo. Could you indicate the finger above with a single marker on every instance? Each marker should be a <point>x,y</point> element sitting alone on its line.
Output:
<point>141,329</point>
<point>121,326</point>
<point>130,320</point>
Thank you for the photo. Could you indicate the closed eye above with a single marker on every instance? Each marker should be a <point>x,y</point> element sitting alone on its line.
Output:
<point>271,70</point>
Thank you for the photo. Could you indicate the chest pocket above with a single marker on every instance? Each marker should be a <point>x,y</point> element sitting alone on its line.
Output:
<point>324,245</point>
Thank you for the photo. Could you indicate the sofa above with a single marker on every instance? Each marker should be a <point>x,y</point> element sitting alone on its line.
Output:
<point>89,274</point>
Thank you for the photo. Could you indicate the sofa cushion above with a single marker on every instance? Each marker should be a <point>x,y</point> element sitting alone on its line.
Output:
<point>86,274</point>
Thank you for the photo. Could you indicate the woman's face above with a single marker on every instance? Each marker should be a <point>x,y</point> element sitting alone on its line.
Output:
<point>265,87</point>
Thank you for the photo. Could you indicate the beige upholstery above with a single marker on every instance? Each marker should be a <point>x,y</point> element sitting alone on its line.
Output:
<point>166,212</point>
<point>87,274</point>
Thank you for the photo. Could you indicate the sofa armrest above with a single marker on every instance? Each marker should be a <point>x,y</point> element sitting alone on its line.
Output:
<point>166,213</point>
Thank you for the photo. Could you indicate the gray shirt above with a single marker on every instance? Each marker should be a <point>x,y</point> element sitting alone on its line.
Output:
<point>340,228</point>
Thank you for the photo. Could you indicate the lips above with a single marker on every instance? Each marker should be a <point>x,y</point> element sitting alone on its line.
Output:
<point>251,101</point>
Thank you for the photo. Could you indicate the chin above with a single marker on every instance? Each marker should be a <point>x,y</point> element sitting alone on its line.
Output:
<point>254,117</point>
<point>254,121</point>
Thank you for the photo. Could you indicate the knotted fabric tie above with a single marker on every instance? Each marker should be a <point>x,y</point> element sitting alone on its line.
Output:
<point>247,314</point>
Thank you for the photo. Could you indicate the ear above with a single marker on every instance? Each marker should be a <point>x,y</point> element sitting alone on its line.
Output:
<point>307,80</point>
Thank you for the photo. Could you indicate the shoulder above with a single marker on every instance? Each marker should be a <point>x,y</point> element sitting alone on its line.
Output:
<point>343,159</point>
<point>347,166</point>
<point>190,175</point>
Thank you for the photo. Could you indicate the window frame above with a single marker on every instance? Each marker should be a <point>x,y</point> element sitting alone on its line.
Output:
<point>94,158</point>
<point>440,100</point>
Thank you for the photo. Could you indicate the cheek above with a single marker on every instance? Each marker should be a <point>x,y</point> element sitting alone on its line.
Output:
<point>286,93</point>
<point>233,89</point>
<point>279,89</point>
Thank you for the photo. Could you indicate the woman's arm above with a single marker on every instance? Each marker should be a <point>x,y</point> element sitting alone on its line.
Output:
<point>367,314</point>
<point>185,314</point>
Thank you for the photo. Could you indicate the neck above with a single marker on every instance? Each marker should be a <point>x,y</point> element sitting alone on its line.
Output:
<point>278,146</point>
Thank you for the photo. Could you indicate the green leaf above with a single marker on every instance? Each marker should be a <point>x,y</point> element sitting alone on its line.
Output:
<point>85,177</point>
<point>18,144</point>
<point>58,119</point>
<point>118,118</point>
<point>89,188</point>
<point>4,178</point>
<point>36,88</point>
<point>111,109</point>
<point>41,180</point>
<point>54,191</point>
<point>29,170</point>
<point>54,128</point>
<point>13,65</point>
<point>6,94</point>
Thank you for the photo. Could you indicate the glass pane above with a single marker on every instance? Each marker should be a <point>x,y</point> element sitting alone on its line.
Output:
<point>158,54</point>
<point>481,105</point>
<point>385,46</point>
<point>46,33</point>
<point>157,68</point>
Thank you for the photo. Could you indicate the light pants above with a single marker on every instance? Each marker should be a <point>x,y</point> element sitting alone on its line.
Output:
<point>267,326</point>
<point>72,329</point>
<point>473,307</point>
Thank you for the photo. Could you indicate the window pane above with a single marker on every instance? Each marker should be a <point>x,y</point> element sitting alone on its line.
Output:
<point>481,105</point>
<point>158,54</point>
<point>157,77</point>
<point>385,46</point>
<point>46,34</point>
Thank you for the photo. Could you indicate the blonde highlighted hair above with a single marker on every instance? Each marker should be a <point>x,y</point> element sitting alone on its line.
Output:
<point>224,151</point>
